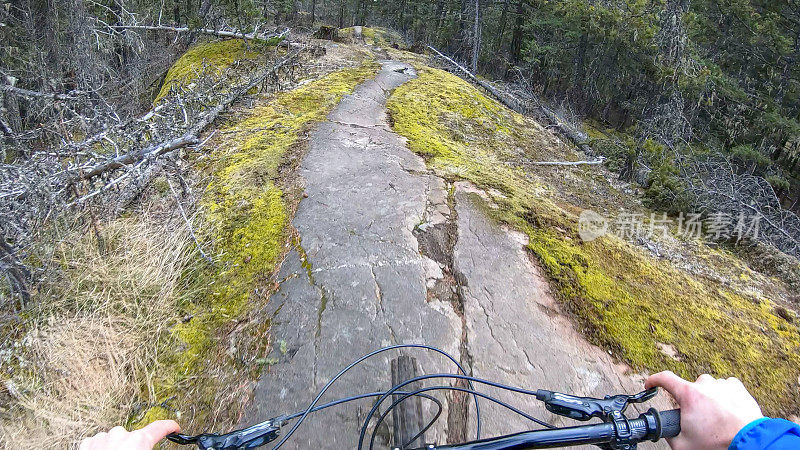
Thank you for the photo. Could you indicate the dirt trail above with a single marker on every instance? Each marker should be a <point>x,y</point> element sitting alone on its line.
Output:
<point>390,254</point>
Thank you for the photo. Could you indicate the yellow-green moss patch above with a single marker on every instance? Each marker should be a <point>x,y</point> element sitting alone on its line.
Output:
<point>631,302</point>
<point>246,216</point>
<point>461,132</point>
<point>214,56</point>
<point>624,299</point>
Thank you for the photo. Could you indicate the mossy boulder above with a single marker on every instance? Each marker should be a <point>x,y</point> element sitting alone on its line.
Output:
<point>209,58</point>
<point>327,32</point>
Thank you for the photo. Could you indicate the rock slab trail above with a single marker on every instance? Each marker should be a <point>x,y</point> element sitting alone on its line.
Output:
<point>389,254</point>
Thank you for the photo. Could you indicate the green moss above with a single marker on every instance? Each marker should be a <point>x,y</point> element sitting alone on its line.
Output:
<point>666,191</point>
<point>629,302</point>
<point>624,299</point>
<point>151,415</point>
<point>215,56</point>
<point>462,133</point>
<point>246,215</point>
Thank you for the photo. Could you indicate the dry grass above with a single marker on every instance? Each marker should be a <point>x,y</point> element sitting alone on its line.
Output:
<point>94,341</point>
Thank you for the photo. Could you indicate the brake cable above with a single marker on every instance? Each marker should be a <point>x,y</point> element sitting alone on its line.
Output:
<point>438,388</point>
<point>469,379</point>
<point>267,431</point>
<point>353,364</point>
<point>580,408</point>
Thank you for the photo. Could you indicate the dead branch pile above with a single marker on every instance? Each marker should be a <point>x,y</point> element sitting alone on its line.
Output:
<point>717,188</point>
<point>107,170</point>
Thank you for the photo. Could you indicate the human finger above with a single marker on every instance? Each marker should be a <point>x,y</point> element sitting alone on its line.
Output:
<point>85,443</point>
<point>117,432</point>
<point>673,384</point>
<point>158,430</point>
<point>705,379</point>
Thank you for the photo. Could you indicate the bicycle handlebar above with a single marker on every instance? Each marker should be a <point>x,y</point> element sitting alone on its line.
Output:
<point>651,425</point>
<point>670,423</point>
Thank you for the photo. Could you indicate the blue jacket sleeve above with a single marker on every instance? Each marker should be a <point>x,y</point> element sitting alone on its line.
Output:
<point>767,434</point>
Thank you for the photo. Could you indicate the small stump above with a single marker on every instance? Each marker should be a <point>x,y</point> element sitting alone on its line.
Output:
<point>327,32</point>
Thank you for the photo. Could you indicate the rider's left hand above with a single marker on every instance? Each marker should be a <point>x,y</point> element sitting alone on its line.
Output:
<point>119,439</point>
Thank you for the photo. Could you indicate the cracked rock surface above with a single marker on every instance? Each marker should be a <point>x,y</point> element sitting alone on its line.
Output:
<point>390,254</point>
<point>515,333</point>
<point>364,281</point>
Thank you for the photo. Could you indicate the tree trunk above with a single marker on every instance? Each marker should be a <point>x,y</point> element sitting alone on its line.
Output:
<point>205,7</point>
<point>313,11</point>
<point>18,275</point>
<point>503,18</point>
<point>439,16</point>
<point>341,13</point>
<point>402,20</point>
<point>786,75</point>
<point>516,36</point>
<point>364,12</point>
<point>11,106</point>
<point>476,37</point>
<point>83,58</point>
<point>579,76</point>
<point>47,27</point>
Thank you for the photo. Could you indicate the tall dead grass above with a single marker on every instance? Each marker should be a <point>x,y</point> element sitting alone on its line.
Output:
<point>93,342</point>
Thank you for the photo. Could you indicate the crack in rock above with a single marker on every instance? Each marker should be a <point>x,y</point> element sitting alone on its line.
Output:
<point>436,238</point>
<point>379,299</point>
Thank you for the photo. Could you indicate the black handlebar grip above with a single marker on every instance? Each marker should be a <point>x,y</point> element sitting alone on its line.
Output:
<point>670,422</point>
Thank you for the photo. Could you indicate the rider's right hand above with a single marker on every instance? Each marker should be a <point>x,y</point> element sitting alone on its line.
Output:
<point>712,410</point>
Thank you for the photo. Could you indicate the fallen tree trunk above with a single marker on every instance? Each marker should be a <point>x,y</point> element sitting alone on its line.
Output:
<point>566,130</point>
<point>34,94</point>
<point>102,134</point>
<point>188,138</point>
<point>209,31</point>
<point>567,163</point>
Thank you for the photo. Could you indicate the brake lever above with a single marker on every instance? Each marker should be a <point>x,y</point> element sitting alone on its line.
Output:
<point>584,408</point>
<point>250,437</point>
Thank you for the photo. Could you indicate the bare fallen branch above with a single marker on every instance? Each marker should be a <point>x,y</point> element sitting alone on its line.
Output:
<point>565,129</point>
<point>567,163</point>
<point>17,273</point>
<point>188,138</point>
<point>209,31</point>
<point>5,128</point>
<point>115,163</point>
<point>34,94</point>
<point>104,133</point>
